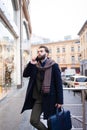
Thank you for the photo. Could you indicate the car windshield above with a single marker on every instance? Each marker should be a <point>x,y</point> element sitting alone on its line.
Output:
<point>67,76</point>
<point>81,79</point>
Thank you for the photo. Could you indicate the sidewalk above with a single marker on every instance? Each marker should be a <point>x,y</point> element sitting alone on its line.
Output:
<point>10,108</point>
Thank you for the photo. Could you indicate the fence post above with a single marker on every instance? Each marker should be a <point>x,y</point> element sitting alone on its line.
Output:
<point>83,104</point>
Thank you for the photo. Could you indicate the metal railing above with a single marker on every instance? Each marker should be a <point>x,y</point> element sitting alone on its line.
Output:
<point>83,121</point>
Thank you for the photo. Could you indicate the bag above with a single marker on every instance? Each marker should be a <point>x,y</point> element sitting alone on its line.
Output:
<point>60,121</point>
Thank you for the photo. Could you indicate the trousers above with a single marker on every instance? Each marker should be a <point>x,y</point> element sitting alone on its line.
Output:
<point>35,116</point>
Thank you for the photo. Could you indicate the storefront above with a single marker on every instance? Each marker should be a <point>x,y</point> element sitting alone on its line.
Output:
<point>14,28</point>
<point>7,48</point>
<point>7,64</point>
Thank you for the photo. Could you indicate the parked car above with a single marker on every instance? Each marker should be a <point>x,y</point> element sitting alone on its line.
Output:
<point>67,73</point>
<point>78,81</point>
<point>67,81</point>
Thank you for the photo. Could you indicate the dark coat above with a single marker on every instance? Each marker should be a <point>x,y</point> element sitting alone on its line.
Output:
<point>48,100</point>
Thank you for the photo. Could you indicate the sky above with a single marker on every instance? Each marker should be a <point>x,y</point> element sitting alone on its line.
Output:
<point>55,19</point>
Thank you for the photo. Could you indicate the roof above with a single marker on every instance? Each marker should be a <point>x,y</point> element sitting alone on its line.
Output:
<point>84,25</point>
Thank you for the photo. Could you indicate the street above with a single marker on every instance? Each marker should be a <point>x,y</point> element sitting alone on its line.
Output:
<point>74,101</point>
<point>10,108</point>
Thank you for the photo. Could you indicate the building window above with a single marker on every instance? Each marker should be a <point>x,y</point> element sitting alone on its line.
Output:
<point>25,35</point>
<point>73,59</point>
<point>83,38</point>
<point>63,49</point>
<point>58,50</point>
<point>78,48</point>
<point>72,49</point>
<point>63,59</point>
<point>86,36</point>
<point>79,58</point>
<point>0,48</point>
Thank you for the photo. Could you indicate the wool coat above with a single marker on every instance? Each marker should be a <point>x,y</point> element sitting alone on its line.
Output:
<point>48,100</point>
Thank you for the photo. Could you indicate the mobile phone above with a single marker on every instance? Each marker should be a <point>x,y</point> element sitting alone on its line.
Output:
<point>37,59</point>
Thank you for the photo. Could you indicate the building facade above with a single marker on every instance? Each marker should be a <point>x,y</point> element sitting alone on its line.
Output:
<point>15,28</point>
<point>83,40</point>
<point>65,53</point>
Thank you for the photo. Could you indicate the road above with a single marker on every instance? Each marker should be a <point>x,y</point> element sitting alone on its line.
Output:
<point>74,101</point>
<point>10,108</point>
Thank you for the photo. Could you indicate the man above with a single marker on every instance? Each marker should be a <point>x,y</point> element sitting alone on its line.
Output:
<point>44,92</point>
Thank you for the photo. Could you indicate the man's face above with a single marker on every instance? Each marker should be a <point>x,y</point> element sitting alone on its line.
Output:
<point>41,54</point>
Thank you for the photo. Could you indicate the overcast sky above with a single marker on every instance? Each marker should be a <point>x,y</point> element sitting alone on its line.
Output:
<point>55,19</point>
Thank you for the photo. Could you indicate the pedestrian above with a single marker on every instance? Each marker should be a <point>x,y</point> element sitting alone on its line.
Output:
<point>44,92</point>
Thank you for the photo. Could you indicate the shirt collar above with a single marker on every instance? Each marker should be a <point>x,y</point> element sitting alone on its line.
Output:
<point>43,63</point>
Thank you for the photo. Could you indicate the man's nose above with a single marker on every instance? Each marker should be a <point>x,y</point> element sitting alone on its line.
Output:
<point>39,52</point>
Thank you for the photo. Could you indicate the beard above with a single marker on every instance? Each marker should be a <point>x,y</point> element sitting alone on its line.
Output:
<point>41,57</point>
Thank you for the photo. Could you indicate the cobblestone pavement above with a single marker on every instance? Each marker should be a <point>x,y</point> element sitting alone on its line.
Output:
<point>10,108</point>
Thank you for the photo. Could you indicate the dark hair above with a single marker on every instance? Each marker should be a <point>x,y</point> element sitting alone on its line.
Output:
<point>46,48</point>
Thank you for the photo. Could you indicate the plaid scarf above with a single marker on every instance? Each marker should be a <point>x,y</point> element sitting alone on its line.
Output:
<point>47,75</point>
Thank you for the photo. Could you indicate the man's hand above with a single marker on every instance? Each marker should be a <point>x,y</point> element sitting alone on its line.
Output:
<point>33,61</point>
<point>58,105</point>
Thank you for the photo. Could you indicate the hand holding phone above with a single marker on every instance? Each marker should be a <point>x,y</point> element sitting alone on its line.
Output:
<point>37,59</point>
<point>34,60</point>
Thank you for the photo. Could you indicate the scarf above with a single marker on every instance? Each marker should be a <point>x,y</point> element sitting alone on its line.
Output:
<point>47,75</point>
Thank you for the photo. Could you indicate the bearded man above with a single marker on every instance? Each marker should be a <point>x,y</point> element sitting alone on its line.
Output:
<point>45,91</point>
